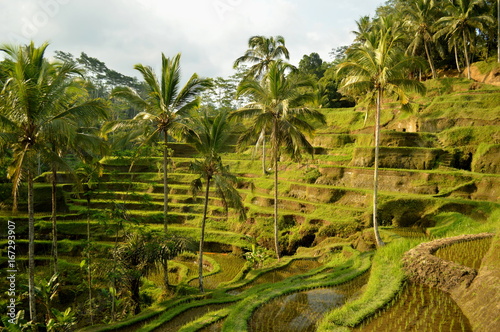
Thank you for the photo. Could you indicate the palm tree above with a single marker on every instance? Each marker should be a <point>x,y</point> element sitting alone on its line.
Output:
<point>379,68</point>
<point>462,21</point>
<point>278,107</point>
<point>37,102</point>
<point>262,52</point>
<point>210,137</point>
<point>141,253</point>
<point>420,15</point>
<point>165,107</point>
<point>365,25</point>
<point>71,135</point>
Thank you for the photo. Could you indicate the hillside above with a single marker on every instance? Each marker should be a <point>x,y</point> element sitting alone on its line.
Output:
<point>440,171</point>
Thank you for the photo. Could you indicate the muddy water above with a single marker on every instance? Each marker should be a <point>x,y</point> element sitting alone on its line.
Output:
<point>296,267</point>
<point>419,308</point>
<point>301,311</point>
<point>295,312</point>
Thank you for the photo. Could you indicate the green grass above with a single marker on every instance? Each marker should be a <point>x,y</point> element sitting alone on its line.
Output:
<point>345,120</point>
<point>205,320</point>
<point>454,223</point>
<point>464,136</point>
<point>386,280</point>
<point>456,106</point>
<point>452,215</point>
<point>223,237</point>
<point>487,66</point>
<point>345,269</point>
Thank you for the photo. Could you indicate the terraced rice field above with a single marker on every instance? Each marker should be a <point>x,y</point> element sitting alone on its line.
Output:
<point>296,267</point>
<point>301,311</point>
<point>418,308</point>
<point>188,316</point>
<point>230,266</point>
<point>467,253</point>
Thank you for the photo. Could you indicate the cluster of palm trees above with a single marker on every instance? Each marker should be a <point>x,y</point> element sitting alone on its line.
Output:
<point>436,29</point>
<point>46,111</point>
<point>376,68</point>
<point>278,109</point>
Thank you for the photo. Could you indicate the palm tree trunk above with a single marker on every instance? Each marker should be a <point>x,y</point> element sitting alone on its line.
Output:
<point>165,185</point>
<point>378,240</point>
<point>89,271</point>
<point>165,204</point>
<point>466,55</point>
<point>456,58</point>
<point>14,200</point>
<point>114,281</point>
<point>135,285</point>
<point>31,248</point>
<point>275,156</point>
<point>429,58</point>
<point>54,218</point>
<point>202,237</point>
<point>263,134</point>
<point>276,240</point>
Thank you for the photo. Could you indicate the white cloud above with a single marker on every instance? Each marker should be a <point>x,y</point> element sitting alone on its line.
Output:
<point>211,34</point>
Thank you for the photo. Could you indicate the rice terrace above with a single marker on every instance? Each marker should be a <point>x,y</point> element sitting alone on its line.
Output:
<point>361,194</point>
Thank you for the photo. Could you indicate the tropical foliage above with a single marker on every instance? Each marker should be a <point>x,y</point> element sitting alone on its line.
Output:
<point>42,108</point>
<point>58,119</point>
<point>164,108</point>
<point>278,108</point>
<point>376,69</point>
<point>262,52</point>
<point>210,137</point>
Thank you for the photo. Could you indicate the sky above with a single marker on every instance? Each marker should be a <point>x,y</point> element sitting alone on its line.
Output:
<point>210,34</point>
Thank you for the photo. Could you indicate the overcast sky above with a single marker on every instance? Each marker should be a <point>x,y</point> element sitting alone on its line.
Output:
<point>210,34</point>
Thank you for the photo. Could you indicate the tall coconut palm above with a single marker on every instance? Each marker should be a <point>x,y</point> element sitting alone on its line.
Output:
<point>378,68</point>
<point>278,107</point>
<point>84,142</point>
<point>72,134</point>
<point>165,107</point>
<point>462,20</point>
<point>210,138</point>
<point>420,16</point>
<point>365,25</point>
<point>37,102</point>
<point>262,51</point>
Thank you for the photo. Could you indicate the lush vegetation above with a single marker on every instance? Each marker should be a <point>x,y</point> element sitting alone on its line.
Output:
<point>99,174</point>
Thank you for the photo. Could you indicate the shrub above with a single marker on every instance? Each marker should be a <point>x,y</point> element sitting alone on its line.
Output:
<point>187,257</point>
<point>339,229</point>
<point>311,175</point>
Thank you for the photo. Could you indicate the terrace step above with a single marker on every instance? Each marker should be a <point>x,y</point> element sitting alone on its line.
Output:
<point>153,206</point>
